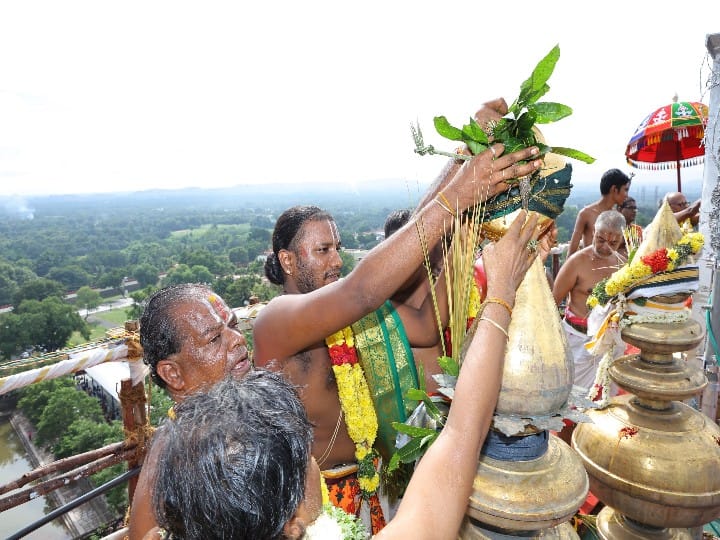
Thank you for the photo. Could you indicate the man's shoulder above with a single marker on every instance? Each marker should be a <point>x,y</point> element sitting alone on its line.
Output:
<point>580,258</point>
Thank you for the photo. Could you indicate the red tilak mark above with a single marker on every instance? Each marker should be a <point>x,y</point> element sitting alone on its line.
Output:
<point>627,432</point>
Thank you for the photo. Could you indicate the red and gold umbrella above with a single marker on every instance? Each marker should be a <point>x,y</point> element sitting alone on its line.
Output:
<point>671,137</point>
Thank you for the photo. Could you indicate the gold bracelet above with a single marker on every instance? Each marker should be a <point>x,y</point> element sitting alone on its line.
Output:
<point>444,207</point>
<point>501,302</point>
<point>444,198</point>
<point>496,325</point>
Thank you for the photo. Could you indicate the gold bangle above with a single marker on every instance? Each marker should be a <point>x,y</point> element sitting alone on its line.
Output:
<point>501,302</point>
<point>496,325</point>
<point>444,207</point>
<point>444,198</point>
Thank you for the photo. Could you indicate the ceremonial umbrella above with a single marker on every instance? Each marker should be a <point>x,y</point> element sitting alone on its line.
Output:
<point>670,137</point>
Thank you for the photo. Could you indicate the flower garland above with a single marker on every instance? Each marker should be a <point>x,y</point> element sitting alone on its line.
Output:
<point>336,524</point>
<point>360,417</point>
<point>636,271</point>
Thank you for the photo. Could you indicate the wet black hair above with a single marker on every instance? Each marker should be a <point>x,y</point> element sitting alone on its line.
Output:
<point>285,234</point>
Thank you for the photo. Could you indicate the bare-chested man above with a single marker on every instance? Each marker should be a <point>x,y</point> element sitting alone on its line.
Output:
<point>614,188</point>
<point>575,281</point>
<point>190,342</point>
<point>682,209</point>
<point>292,328</point>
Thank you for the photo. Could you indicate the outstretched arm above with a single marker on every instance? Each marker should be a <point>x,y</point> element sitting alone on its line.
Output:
<point>293,322</point>
<point>447,470</point>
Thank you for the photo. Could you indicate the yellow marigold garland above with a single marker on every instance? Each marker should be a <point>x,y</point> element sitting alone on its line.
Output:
<point>357,406</point>
<point>639,268</point>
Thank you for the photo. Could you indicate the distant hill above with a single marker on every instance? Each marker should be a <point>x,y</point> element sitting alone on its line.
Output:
<point>390,193</point>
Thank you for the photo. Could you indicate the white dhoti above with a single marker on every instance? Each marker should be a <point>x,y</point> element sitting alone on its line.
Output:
<point>585,363</point>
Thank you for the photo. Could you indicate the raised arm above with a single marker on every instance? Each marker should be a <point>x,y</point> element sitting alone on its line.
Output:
<point>578,232</point>
<point>293,322</point>
<point>447,470</point>
<point>488,112</point>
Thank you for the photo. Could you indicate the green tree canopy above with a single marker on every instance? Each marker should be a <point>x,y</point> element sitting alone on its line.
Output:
<point>71,276</point>
<point>49,323</point>
<point>145,274</point>
<point>34,398</point>
<point>88,299</point>
<point>38,289</point>
<point>65,406</point>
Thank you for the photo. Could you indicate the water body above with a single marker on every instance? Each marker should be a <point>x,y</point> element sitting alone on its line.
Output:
<point>13,464</point>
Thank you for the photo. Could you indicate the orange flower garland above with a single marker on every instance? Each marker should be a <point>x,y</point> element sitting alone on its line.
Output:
<point>357,406</point>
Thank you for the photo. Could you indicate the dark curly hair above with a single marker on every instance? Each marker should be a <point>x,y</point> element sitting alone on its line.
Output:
<point>234,461</point>
<point>158,330</point>
<point>284,236</point>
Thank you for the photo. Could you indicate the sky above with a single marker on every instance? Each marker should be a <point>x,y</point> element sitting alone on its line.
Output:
<point>104,96</point>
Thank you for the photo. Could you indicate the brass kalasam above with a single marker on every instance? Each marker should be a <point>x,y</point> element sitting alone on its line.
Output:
<point>652,458</point>
<point>471,531</point>
<point>529,495</point>
<point>538,371</point>
<point>660,468</point>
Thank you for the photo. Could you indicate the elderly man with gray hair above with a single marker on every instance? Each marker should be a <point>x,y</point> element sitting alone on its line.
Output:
<point>575,281</point>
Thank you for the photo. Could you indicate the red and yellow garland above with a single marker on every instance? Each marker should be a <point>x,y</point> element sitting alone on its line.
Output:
<point>357,406</point>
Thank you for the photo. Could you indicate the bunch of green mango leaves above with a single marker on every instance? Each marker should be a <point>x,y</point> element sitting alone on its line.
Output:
<point>515,129</point>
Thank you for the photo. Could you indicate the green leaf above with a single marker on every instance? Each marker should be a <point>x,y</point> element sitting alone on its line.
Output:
<point>536,86</point>
<point>449,365</point>
<point>525,123</point>
<point>473,132</point>
<point>547,112</point>
<point>430,407</point>
<point>476,147</point>
<point>416,395</point>
<point>443,127</point>
<point>413,431</point>
<point>512,144</point>
<point>415,448</point>
<point>572,153</point>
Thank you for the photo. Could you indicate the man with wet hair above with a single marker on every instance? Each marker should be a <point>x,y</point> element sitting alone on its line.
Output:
<point>614,188</point>
<point>190,342</point>
<point>242,453</point>
<point>237,462</point>
<point>290,332</point>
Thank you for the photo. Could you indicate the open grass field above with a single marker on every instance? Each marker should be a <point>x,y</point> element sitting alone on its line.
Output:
<point>100,322</point>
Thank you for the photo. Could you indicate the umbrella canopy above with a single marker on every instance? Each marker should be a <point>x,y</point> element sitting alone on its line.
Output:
<point>671,137</point>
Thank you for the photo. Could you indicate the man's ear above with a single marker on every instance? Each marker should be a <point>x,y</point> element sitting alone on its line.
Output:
<point>295,527</point>
<point>170,372</point>
<point>287,261</point>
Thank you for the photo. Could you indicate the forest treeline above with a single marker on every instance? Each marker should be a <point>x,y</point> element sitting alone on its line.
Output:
<point>51,246</point>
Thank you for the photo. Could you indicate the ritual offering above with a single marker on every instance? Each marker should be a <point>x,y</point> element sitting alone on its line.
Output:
<point>528,483</point>
<point>652,460</point>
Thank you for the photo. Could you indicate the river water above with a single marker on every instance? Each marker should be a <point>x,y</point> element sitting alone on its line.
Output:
<point>13,464</point>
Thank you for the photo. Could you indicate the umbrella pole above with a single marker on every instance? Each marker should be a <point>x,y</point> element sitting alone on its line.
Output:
<point>678,175</point>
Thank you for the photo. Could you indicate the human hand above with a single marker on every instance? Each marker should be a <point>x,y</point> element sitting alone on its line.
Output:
<point>547,241</point>
<point>487,174</point>
<point>507,260</point>
<point>491,111</point>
